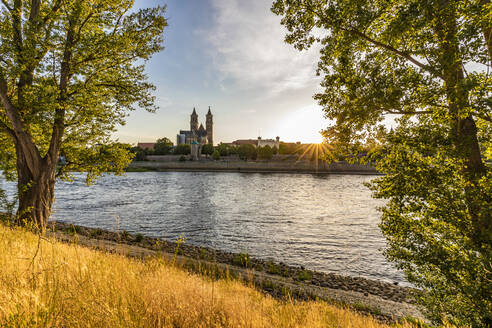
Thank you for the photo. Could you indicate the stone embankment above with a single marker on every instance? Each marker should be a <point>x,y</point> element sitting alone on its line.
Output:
<point>279,164</point>
<point>384,300</point>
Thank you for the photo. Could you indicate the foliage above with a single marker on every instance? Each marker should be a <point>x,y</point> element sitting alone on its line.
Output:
<point>109,157</point>
<point>304,275</point>
<point>163,146</point>
<point>223,149</point>
<point>140,153</point>
<point>425,63</point>
<point>207,149</point>
<point>431,236</point>
<point>288,148</point>
<point>242,259</point>
<point>182,149</point>
<point>232,150</point>
<point>216,155</point>
<point>246,152</point>
<point>265,152</point>
<point>70,72</point>
<point>182,158</point>
<point>227,150</point>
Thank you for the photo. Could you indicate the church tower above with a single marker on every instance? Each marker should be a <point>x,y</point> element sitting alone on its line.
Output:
<point>210,127</point>
<point>194,121</point>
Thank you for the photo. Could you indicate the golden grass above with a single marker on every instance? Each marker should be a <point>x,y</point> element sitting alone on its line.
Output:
<point>45,283</point>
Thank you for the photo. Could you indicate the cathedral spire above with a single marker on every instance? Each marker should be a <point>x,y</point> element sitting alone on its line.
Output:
<point>209,123</point>
<point>194,121</point>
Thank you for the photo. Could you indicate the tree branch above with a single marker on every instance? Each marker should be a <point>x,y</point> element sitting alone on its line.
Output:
<point>23,138</point>
<point>59,121</point>
<point>17,25</point>
<point>422,112</point>
<point>7,129</point>
<point>5,3</point>
<point>487,32</point>
<point>485,117</point>
<point>35,7</point>
<point>379,44</point>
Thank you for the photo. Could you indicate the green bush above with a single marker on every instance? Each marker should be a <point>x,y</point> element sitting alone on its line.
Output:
<point>242,259</point>
<point>182,149</point>
<point>265,152</point>
<point>138,237</point>
<point>207,149</point>
<point>246,152</point>
<point>216,155</point>
<point>163,146</point>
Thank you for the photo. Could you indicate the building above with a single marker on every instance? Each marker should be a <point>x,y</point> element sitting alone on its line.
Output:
<point>258,142</point>
<point>199,134</point>
<point>146,145</point>
<point>269,142</point>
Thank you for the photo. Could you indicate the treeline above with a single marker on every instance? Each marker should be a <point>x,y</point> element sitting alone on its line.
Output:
<point>164,146</point>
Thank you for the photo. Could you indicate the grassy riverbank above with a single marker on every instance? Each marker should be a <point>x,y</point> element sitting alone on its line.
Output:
<point>46,283</point>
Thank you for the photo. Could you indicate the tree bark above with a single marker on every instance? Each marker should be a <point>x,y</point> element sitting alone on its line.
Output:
<point>464,136</point>
<point>36,187</point>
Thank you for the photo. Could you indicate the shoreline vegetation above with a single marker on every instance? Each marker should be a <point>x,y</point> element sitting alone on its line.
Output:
<point>78,276</point>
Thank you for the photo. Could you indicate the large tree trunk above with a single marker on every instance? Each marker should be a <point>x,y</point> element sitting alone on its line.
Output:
<point>464,136</point>
<point>36,186</point>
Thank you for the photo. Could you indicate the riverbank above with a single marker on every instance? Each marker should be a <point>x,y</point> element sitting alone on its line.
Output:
<point>383,300</point>
<point>233,164</point>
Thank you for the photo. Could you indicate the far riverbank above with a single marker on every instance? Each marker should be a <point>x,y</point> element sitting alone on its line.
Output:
<point>279,164</point>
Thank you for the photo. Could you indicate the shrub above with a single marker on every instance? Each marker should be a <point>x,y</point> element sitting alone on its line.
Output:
<point>182,149</point>
<point>242,259</point>
<point>216,155</point>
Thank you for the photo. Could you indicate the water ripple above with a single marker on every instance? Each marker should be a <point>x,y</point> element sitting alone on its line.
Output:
<point>327,223</point>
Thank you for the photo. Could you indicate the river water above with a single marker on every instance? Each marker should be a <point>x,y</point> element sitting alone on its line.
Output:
<point>324,222</point>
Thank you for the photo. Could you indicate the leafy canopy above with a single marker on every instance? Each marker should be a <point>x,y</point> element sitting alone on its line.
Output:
<point>163,146</point>
<point>74,69</point>
<point>424,65</point>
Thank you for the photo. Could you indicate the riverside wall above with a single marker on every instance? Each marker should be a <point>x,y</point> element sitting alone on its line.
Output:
<point>166,163</point>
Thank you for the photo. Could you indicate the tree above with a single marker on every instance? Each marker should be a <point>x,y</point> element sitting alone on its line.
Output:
<point>139,153</point>
<point>163,146</point>
<point>223,149</point>
<point>207,149</point>
<point>265,152</point>
<point>246,152</point>
<point>413,59</point>
<point>232,150</point>
<point>287,148</point>
<point>216,155</point>
<point>182,149</point>
<point>70,70</point>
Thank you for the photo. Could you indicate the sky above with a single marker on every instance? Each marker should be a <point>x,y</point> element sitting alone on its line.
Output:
<point>229,55</point>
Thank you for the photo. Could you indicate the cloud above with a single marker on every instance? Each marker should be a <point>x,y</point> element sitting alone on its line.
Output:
<point>246,42</point>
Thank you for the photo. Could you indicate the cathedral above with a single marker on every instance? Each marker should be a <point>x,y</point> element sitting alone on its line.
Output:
<point>196,134</point>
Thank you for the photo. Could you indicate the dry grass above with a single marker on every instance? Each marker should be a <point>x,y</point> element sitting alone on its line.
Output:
<point>45,283</point>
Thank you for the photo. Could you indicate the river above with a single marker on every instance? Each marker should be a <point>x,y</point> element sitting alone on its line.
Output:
<point>324,222</point>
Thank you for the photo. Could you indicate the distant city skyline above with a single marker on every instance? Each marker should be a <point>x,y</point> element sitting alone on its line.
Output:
<point>218,54</point>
